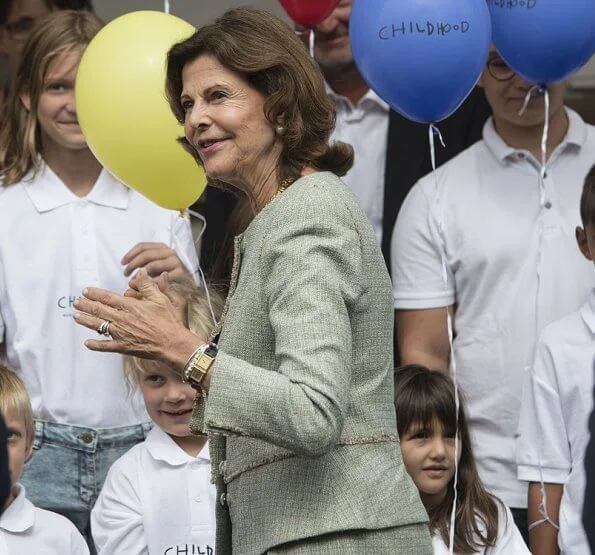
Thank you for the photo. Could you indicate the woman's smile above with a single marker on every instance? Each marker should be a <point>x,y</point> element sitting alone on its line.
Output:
<point>209,146</point>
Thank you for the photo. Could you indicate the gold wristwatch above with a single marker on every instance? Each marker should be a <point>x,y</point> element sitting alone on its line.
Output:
<point>199,364</point>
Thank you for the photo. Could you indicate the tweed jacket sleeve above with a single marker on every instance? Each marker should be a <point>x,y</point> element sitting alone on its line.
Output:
<point>310,271</point>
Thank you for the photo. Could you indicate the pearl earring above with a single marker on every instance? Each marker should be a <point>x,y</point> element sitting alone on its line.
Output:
<point>280,130</point>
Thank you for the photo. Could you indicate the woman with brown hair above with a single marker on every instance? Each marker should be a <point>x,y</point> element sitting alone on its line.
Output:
<point>297,393</point>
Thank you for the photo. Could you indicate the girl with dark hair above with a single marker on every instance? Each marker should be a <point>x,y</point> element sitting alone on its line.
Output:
<point>433,441</point>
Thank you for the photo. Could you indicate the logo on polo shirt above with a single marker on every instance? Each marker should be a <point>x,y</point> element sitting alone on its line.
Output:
<point>66,304</point>
<point>189,550</point>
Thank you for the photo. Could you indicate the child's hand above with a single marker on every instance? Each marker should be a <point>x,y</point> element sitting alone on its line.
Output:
<point>155,258</point>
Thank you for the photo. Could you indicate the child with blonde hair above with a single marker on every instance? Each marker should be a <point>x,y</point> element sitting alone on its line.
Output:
<point>25,528</point>
<point>428,427</point>
<point>158,497</point>
<point>65,224</point>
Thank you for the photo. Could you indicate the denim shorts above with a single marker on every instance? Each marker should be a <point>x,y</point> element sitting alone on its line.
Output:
<point>70,463</point>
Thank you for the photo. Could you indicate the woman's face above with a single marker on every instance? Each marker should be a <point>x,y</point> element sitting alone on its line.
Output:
<point>225,123</point>
<point>430,460</point>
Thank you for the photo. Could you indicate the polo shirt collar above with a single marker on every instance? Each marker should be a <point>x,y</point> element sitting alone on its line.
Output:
<point>47,191</point>
<point>164,449</point>
<point>370,97</point>
<point>575,136</point>
<point>588,312</point>
<point>20,515</point>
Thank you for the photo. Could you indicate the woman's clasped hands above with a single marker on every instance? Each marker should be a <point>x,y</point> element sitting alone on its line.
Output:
<point>147,321</point>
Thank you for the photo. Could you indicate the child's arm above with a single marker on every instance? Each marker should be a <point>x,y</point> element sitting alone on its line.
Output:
<point>116,519</point>
<point>543,538</point>
<point>543,447</point>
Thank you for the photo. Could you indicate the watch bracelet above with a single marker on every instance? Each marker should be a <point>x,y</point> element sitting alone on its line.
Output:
<point>189,366</point>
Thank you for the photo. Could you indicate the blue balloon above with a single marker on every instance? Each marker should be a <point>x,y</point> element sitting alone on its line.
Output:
<point>544,41</point>
<point>423,57</point>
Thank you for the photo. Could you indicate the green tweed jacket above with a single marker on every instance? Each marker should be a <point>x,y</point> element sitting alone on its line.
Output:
<point>300,409</point>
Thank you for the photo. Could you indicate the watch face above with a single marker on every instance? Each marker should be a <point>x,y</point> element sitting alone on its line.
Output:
<point>204,362</point>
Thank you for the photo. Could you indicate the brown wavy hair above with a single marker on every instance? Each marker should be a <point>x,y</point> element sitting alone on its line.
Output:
<point>422,398</point>
<point>57,33</point>
<point>267,53</point>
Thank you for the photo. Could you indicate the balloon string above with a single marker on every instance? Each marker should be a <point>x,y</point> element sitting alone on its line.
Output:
<point>301,32</point>
<point>203,281</point>
<point>166,6</point>
<point>544,137</point>
<point>540,89</point>
<point>434,131</point>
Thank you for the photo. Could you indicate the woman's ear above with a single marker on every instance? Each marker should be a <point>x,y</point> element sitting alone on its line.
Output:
<point>26,100</point>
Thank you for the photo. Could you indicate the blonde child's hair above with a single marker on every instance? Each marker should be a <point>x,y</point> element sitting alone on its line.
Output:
<point>14,398</point>
<point>199,319</point>
<point>60,32</point>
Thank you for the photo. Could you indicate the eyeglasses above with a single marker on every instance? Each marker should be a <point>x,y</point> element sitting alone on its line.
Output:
<point>499,70</point>
<point>18,30</point>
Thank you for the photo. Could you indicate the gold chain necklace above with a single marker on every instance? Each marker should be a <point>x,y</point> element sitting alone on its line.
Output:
<point>282,186</point>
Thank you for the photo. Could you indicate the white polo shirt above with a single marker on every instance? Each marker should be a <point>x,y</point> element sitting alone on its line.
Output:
<point>499,239</point>
<point>26,529</point>
<point>53,244</point>
<point>365,127</point>
<point>553,426</point>
<point>156,499</point>
<point>508,542</point>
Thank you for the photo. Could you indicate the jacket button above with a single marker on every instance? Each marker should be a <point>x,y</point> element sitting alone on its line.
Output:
<point>223,499</point>
<point>86,438</point>
<point>222,467</point>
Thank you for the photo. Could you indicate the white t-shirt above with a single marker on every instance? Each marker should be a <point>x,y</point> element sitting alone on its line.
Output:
<point>52,245</point>
<point>27,530</point>
<point>499,238</point>
<point>156,500</point>
<point>553,426</point>
<point>365,127</point>
<point>508,542</point>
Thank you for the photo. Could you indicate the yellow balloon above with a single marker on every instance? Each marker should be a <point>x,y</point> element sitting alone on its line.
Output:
<point>123,112</point>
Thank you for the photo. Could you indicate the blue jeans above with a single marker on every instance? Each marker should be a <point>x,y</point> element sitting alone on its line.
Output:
<point>69,465</point>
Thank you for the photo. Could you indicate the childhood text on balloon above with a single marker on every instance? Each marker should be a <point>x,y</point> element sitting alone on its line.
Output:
<point>513,4</point>
<point>427,28</point>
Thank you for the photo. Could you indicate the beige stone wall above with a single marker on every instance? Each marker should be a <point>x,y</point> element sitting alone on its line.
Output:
<point>197,12</point>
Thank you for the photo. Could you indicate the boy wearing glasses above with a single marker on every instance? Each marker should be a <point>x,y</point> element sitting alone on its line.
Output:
<point>17,18</point>
<point>490,240</point>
